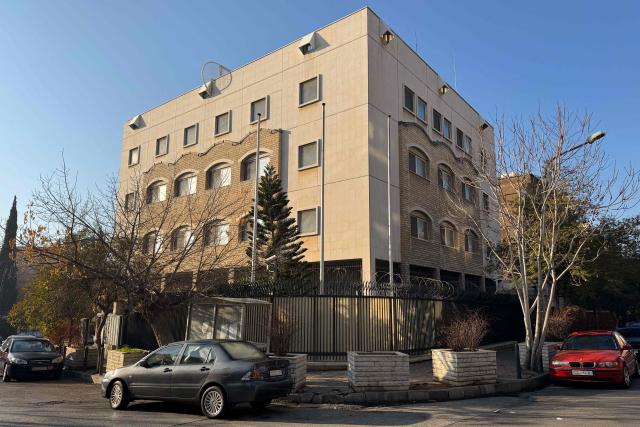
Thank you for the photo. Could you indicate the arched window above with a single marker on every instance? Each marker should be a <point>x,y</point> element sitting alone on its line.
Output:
<point>471,243</point>
<point>445,178</point>
<point>186,184</point>
<point>448,234</point>
<point>216,233</point>
<point>418,163</point>
<point>218,176</point>
<point>181,238</point>
<point>420,226</point>
<point>249,166</point>
<point>152,243</point>
<point>468,190</point>
<point>157,192</point>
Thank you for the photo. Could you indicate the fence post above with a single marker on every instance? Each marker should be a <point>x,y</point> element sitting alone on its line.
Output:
<point>518,367</point>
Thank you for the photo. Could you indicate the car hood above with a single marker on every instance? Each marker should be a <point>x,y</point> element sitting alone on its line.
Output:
<point>35,355</point>
<point>587,355</point>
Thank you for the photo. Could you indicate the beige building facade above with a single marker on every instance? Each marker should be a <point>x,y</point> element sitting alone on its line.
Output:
<point>362,72</point>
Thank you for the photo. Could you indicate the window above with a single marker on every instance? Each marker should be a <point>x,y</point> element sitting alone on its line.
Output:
<point>422,110</point>
<point>471,241</point>
<point>485,201</point>
<point>181,238</point>
<point>445,178</point>
<point>483,159</point>
<point>190,135</point>
<point>240,350</point>
<point>157,192</point>
<point>418,164</point>
<point>448,234</point>
<point>308,221</point>
<point>249,166</point>
<point>437,121</point>
<point>420,226</point>
<point>261,106</point>
<point>152,243</point>
<point>246,228</point>
<point>446,129</point>
<point>468,191</point>
<point>186,184</point>
<point>163,356</point>
<point>197,354</point>
<point>223,123</point>
<point>459,138</point>
<point>409,99</point>
<point>467,144</point>
<point>134,156</point>
<point>131,201</point>
<point>308,155</point>
<point>216,233</point>
<point>309,91</point>
<point>162,146</point>
<point>218,176</point>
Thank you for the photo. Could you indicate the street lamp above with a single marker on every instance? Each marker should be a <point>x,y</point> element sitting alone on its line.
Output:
<point>590,140</point>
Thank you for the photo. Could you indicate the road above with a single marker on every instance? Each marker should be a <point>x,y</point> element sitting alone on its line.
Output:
<point>71,403</point>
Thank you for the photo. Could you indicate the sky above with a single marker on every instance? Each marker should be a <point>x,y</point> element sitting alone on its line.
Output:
<point>71,72</point>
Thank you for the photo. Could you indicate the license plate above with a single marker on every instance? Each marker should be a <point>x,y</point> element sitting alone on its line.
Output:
<point>39,368</point>
<point>577,372</point>
<point>275,373</point>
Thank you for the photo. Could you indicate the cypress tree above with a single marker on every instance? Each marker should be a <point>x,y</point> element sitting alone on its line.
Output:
<point>8,273</point>
<point>278,237</point>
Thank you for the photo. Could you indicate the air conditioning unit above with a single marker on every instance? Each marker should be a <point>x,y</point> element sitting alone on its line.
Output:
<point>307,43</point>
<point>136,122</point>
<point>206,90</point>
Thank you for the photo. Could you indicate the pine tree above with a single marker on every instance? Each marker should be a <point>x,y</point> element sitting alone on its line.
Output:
<point>278,238</point>
<point>8,274</point>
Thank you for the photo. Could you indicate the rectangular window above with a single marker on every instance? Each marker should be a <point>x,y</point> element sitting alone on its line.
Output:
<point>130,201</point>
<point>223,123</point>
<point>260,106</point>
<point>309,91</point>
<point>418,165</point>
<point>445,179</point>
<point>437,121</point>
<point>448,236</point>
<point>190,135</point>
<point>162,146</point>
<point>446,129</point>
<point>308,221</point>
<point>467,144</point>
<point>217,234</point>
<point>308,155</point>
<point>485,201</point>
<point>409,99</point>
<point>134,156</point>
<point>468,192</point>
<point>422,110</point>
<point>459,138</point>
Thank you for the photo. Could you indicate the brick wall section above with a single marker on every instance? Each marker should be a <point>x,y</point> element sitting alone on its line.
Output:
<point>378,371</point>
<point>418,193</point>
<point>459,368</point>
<point>117,359</point>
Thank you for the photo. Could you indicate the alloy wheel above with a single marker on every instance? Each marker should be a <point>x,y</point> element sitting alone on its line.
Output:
<point>213,403</point>
<point>627,378</point>
<point>115,397</point>
<point>5,375</point>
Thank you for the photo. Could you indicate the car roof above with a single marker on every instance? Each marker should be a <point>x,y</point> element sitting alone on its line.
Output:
<point>574,334</point>
<point>205,341</point>
<point>26,337</point>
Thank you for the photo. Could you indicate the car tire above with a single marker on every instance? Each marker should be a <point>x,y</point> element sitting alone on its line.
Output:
<point>118,396</point>
<point>213,402</point>
<point>626,378</point>
<point>260,404</point>
<point>5,374</point>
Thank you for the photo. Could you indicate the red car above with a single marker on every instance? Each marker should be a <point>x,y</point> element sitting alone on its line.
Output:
<point>596,356</point>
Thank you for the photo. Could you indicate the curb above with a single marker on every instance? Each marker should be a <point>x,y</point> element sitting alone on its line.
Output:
<point>439,395</point>
<point>86,377</point>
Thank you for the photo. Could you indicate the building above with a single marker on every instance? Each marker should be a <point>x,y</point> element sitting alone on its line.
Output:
<point>362,72</point>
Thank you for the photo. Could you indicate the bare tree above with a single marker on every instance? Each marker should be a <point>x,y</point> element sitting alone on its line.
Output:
<point>552,190</point>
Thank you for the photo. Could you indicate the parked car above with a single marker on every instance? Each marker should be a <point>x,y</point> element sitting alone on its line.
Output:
<point>632,336</point>
<point>215,373</point>
<point>602,356</point>
<point>26,356</point>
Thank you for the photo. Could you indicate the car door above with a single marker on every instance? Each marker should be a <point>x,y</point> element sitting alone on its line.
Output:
<point>191,372</point>
<point>151,379</point>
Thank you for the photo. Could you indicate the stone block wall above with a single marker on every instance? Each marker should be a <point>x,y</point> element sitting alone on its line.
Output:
<point>378,371</point>
<point>117,359</point>
<point>548,350</point>
<point>460,368</point>
<point>297,370</point>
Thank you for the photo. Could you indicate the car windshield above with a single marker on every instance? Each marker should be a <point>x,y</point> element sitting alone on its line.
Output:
<point>242,351</point>
<point>590,342</point>
<point>630,332</point>
<point>24,346</point>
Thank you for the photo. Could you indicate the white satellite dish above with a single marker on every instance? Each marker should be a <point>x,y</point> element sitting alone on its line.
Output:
<point>215,79</point>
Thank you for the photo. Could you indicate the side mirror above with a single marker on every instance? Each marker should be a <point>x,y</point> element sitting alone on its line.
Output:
<point>143,363</point>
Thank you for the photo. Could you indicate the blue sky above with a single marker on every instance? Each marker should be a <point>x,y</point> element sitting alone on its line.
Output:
<point>71,72</point>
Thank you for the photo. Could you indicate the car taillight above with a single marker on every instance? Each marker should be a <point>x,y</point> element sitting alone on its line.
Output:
<point>253,375</point>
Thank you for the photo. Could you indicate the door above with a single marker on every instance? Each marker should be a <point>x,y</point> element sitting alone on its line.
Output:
<point>190,374</point>
<point>151,379</point>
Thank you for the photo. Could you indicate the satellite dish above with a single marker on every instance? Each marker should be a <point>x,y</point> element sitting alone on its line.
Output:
<point>215,79</point>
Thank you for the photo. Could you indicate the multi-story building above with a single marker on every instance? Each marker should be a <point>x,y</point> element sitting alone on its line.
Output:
<point>362,73</point>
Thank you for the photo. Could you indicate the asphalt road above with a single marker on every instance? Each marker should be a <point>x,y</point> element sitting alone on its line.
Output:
<point>71,403</point>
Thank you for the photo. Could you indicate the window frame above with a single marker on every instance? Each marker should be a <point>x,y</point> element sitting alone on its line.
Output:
<point>442,168</point>
<point>216,223</point>
<point>317,225</point>
<point>209,181</point>
<point>444,226</point>
<point>435,112</point>
<point>150,187</point>
<point>184,135</point>
<point>312,165</point>
<point>444,122</point>
<point>318,92</point>
<point>267,108</point>
<point>486,206</point>
<point>135,197</point>
<point>157,243</point>
<point>412,110</point>
<point>129,156</point>
<point>158,153</point>
<point>460,138</point>
<point>216,130</point>
<point>243,165</point>
<point>467,186</point>
<point>428,227</point>
<point>426,110</point>
<point>475,247</point>
<point>468,144</point>
<point>188,238</point>
<point>427,165</point>
<point>185,176</point>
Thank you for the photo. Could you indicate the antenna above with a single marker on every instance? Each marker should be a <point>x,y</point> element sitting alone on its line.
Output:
<point>215,79</point>
<point>455,75</point>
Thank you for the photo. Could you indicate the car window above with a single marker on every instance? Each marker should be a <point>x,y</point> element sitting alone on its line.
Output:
<point>36,346</point>
<point>197,354</point>
<point>590,342</point>
<point>164,356</point>
<point>239,350</point>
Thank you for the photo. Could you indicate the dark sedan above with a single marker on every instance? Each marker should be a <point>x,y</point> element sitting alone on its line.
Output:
<point>216,374</point>
<point>27,356</point>
<point>632,336</point>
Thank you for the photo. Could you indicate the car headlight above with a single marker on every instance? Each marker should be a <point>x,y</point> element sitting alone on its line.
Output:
<point>17,361</point>
<point>608,364</point>
<point>58,359</point>
<point>559,363</point>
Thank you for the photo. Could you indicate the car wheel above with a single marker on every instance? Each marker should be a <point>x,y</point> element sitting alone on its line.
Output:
<point>261,404</point>
<point>5,374</point>
<point>626,378</point>
<point>118,396</point>
<point>213,402</point>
